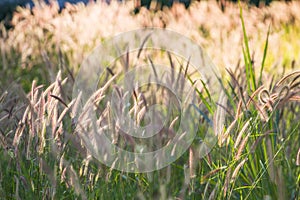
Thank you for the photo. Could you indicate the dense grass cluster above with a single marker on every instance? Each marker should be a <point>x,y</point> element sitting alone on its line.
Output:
<point>257,155</point>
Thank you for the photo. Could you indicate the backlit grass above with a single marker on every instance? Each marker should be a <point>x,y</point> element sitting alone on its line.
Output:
<point>257,155</point>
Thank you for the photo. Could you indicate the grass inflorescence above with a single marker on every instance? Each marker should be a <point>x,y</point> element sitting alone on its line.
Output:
<point>45,155</point>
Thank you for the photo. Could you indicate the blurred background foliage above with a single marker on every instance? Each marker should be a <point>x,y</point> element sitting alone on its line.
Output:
<point>45,38</point>
<point>8,6</point>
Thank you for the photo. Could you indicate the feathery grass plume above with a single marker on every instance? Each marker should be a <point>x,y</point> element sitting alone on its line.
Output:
<point>84,167</point>
<point>238,110</point>
<point>227,181</point>
<point>237,169</point>
<point>262,112</point>
<point>282,93</point>
<point>242,146</point>
<point>20,128</point>
<point>239,136</point>
<point>225,136</point>
<point>74,182</point>
<point>192,162</point>
<point>236,85</point>
<point>211,173</point>
<point>286,77</point>
<point>219,116</point>
<point>65,111</point>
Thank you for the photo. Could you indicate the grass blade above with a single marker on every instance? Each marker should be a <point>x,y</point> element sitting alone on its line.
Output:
<point>247,57</point>
<point>264,56</point>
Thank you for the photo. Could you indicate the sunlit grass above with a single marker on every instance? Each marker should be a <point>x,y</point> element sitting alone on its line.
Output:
<point>257,155</point>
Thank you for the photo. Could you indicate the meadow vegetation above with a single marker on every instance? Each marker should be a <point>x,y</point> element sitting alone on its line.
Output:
<point>257,155</point>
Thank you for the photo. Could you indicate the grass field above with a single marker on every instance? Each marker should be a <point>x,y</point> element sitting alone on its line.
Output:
<point>256,123</point>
